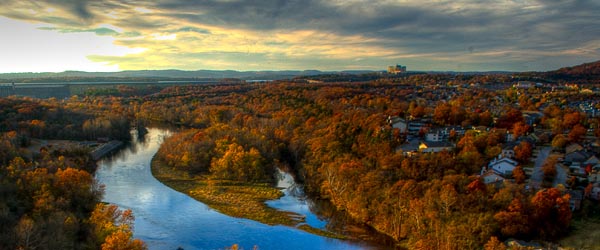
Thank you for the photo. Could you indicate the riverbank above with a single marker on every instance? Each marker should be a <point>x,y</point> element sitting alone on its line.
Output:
<point>237,199</point>
<point>105,149</point>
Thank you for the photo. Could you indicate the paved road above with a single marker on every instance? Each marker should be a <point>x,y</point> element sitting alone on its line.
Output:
<point>537,175</point>
<point>561,176</point>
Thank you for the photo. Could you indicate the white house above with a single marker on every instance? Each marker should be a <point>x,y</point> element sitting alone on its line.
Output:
<point>502,165</point>
<point>434,135</point>
<point>398,123</point>
<point>508,150</point>
<point>492,177</point>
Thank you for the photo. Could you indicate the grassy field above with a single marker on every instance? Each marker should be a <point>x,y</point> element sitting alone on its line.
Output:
<point>237,199</point>
<point>585,235</point>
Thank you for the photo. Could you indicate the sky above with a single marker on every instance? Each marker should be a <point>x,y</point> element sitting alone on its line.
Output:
<point>442,35</point>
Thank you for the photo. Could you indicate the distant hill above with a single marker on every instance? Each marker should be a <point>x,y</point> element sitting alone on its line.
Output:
<point>584,73</point>
<point>145,75</point>
<point>589,72</point>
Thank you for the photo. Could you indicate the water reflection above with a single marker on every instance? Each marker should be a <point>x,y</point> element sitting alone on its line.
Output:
<point>167,219</point>
<point>294,200</point>
<point>322,214</point>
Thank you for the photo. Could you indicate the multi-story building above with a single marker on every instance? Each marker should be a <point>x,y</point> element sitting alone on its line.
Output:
<point>396,69</point>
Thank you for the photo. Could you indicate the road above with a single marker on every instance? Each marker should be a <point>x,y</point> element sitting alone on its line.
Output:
<point>538,175</point>
<point>561,176</point>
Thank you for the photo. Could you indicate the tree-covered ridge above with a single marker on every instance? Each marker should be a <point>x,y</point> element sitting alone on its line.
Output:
<point>587,72</point>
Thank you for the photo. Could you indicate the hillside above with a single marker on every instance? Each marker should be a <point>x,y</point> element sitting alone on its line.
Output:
<point>145,75</point>
<point>587,72</point>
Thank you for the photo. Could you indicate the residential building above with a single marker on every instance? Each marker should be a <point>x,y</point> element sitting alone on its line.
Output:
<point>490,177</point>
<point>572,148</point>
<point>508,151</point>
<point>503,166</point>
<point>443,134</point>
<point>435,136</point>
<point>524,85</point>
<point>410,148</point>
<point>532,117</point>
<point>434,147</point>
<point>399,123</point>
<point>578,156</point>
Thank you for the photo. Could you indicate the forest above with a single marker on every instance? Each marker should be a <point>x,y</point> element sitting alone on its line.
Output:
<point>49,199</point>
<point>335,136</point>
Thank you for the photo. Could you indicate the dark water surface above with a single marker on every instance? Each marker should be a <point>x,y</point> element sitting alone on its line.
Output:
<point>166,219</point>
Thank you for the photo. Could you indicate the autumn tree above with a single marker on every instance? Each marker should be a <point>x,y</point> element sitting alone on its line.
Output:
<point>239,164</point>
<point>514,221</point>
<point>549,169</point>
<point>494,244</point>
<point>551,214</point>
<point>523,151</point>
<point>519,175</point>
<point>485,118</point>
<point>559,141</point>
<point>576,133</point>
<point>122,240</point>
<point>520,128</point>
<point>441,113</point>
<point>511,117</point>
<point>571,119</point>
<point>113,228</point>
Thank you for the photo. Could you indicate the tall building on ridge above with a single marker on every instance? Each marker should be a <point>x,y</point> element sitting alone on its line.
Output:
<point>398,69</point>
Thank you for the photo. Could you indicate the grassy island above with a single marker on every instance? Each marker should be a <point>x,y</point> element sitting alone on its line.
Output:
<point>234,198</point>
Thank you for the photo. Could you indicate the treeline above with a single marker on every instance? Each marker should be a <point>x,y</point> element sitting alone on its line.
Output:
<point>336,137</point>
<point>52,119</point>
<point>54,203</point>
<point>221,152</point>
<point>586,73</point>
<point>124,90</point>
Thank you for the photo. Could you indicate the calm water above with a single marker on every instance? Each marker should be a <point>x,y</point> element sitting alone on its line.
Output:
<point>166,219</point>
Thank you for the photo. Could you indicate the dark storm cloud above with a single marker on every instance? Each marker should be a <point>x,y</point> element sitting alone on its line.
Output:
<point>423,27</point>
<point>77,7</point>
<point>276,14</point>
<point>441,26</point>
<point>479,32</point>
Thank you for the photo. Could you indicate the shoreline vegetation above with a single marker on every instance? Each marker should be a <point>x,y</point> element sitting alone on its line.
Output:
<point>235,198</point>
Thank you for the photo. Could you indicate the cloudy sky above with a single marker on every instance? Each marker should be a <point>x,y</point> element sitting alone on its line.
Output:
<point>458,35</point>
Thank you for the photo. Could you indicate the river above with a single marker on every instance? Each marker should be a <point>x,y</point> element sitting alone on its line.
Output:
<point>166,219</point>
